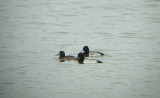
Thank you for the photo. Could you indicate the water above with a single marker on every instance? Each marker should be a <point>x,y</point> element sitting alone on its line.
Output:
<point>32,32</point>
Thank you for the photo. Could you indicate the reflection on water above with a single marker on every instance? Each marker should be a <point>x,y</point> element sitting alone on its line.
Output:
<point>32,32</point>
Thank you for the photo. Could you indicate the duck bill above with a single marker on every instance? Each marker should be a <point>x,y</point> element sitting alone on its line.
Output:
<point>82,51</point>
<point>57,54</point>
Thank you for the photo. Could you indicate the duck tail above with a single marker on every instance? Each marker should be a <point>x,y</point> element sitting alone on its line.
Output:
<point>99,61</point>
<point>101,53</point>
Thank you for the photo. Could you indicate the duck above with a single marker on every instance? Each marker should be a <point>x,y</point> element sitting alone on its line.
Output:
<point>82,60</point>
<point>88,53</point>
<point>62,57</point>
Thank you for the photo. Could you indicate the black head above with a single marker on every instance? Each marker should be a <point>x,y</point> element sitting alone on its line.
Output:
<point>80,57</point>
<point>62,54</point>
<point>86,49</point>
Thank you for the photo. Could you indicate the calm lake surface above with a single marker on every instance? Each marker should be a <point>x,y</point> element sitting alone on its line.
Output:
<point>32,32</point>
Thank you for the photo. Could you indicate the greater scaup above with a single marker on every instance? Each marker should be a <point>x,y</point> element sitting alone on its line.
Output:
<point>88,53</point>
<point>62,57</point>
<point>82,60</point>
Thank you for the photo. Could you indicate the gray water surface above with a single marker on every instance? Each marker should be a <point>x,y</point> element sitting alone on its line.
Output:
<point>32,32</point>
